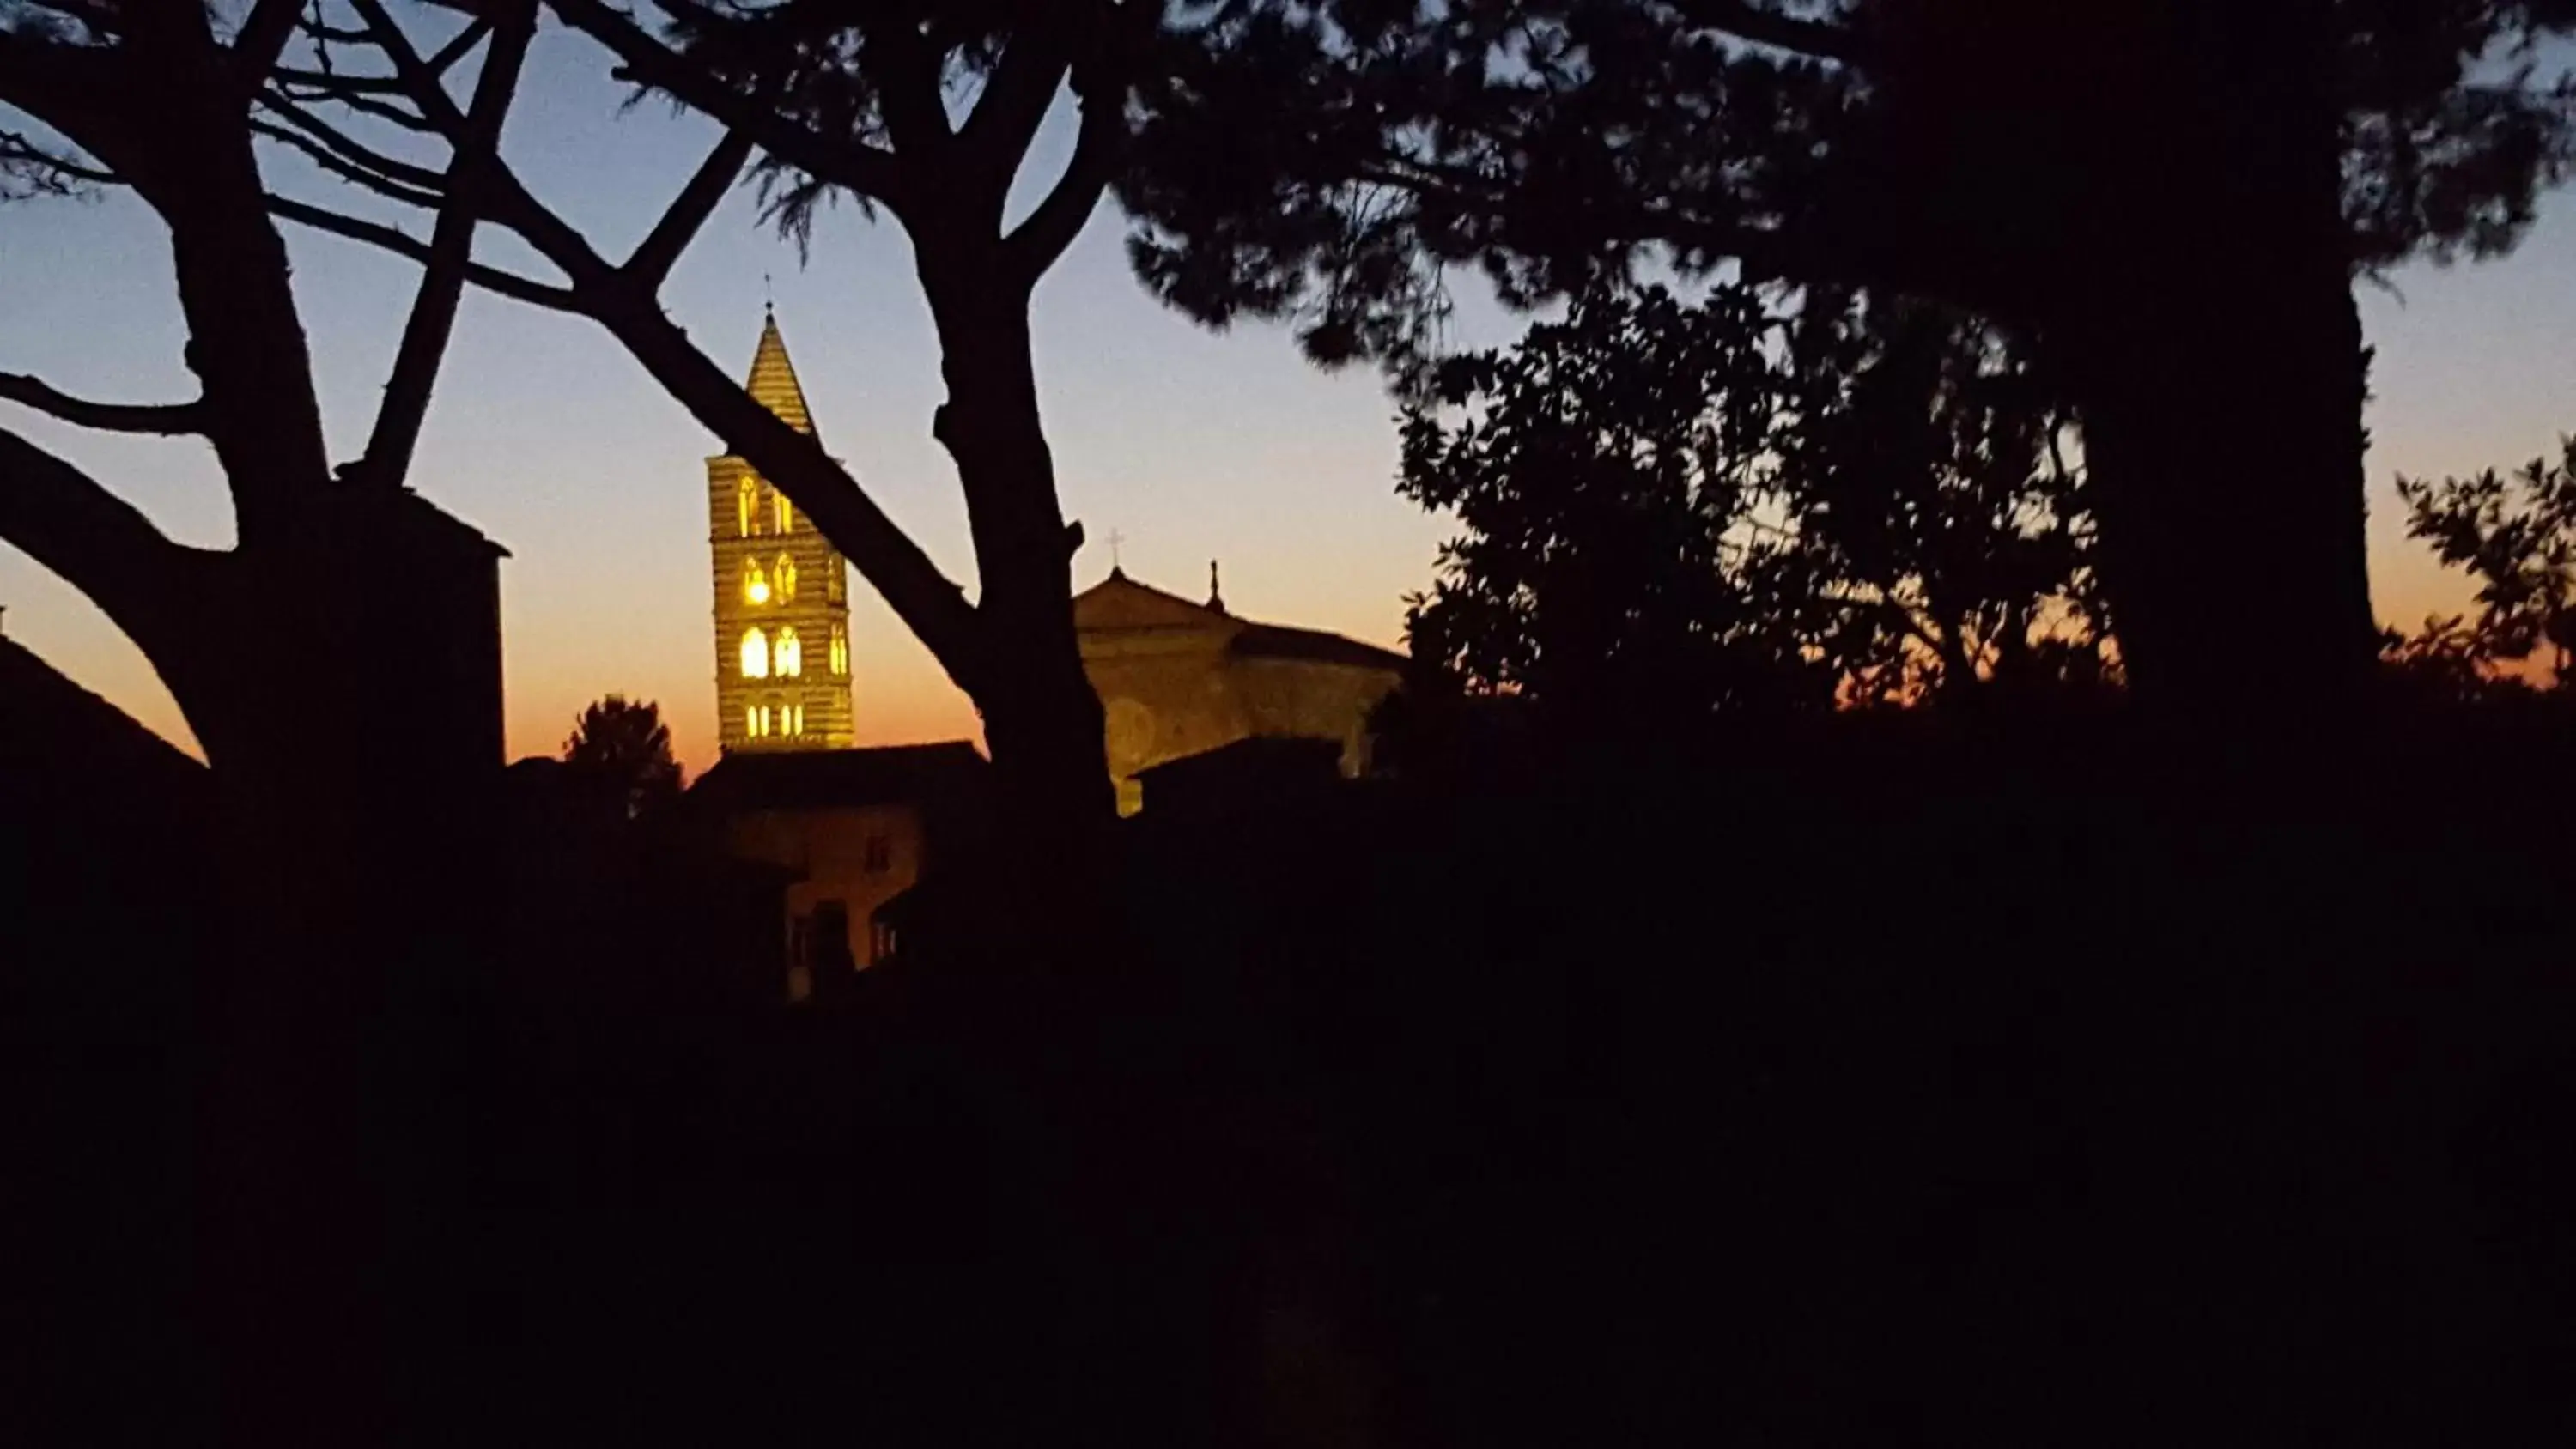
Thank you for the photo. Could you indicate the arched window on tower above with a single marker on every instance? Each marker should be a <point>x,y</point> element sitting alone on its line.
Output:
<point>786,575</point>
<point>840,650</point>
<point>786,511</point>
<point>791,720</point>
<point>755,584</point>
<point>755,655</point>
<point>790,654</point>
<point>746,506</point>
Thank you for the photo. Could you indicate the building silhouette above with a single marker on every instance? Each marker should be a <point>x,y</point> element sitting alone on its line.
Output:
<point>782,611</point>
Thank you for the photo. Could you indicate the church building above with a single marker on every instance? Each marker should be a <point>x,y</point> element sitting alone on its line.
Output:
<point>782,615</point>
<point>1179,678</point>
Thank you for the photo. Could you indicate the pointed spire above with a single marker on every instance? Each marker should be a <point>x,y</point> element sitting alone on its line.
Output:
<point>1216,595</point>
<point>773,383</point>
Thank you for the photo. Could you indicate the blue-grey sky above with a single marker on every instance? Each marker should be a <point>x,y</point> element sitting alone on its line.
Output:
<point>1192,445</point>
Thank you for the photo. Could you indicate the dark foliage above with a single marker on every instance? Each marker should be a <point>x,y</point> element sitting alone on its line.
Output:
<point>623,750</point>
<point>1932,471</point>
<point>2168,197</point>
<point>1755,501</point>
<point>1610,475</point>
<point>2516,537</point>
<point>1366,145</point>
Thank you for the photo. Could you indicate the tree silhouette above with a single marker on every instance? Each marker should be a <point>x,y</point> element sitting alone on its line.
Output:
<point>924,112</point>
<point>1607,474</point>
<point>625,750</point>
<point>1760,501</point>
<point>1926,459</point>
<point>2169,197</point>
<point>2516,536</point>
<point>354,794</point>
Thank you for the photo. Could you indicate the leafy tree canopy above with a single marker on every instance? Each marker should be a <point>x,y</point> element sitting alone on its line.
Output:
<point>1368,145</point>
<point>1751,502</point>
<point>625,750</point>
<point>2516,537</point>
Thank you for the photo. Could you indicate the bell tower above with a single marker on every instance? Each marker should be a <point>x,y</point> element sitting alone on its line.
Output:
<point>782,616</point>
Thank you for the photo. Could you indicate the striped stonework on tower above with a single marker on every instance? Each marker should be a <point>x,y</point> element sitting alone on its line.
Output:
<point>782,611</point>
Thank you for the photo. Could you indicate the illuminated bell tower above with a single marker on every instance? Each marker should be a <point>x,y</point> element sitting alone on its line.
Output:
<point>782,602</point>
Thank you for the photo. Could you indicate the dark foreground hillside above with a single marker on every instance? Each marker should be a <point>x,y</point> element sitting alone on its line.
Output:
<point>1870,1089</point>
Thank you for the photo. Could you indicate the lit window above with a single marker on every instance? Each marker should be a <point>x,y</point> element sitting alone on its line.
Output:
<point>791,719</point>
<point>840,650</point>
<point>786,573</point>
<point>755,584</point>
<point>786,511</point>
<point>755,720</point>
<point>790,654</point>
<point>755,655</point>
<point>746,506</point>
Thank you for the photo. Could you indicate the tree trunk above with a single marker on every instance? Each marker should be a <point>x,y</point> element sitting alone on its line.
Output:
<point>2218,359</point>
<point>1042,721</point>
<point>2154,187</point>
<point>2226,445</point>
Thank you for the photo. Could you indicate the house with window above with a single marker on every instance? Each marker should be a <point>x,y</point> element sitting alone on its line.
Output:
<point>852,829</point>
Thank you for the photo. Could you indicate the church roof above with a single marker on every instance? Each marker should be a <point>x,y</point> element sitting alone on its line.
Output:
<point>773,383</point>
<point>1119,604</point>
<point>811,779</point>
<point>1279,641</point>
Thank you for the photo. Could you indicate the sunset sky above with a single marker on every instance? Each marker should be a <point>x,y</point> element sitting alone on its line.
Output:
<point>1191,445</point>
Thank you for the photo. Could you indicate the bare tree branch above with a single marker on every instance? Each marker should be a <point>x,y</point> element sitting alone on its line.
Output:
<point>501,197</point>
<point>262,38</point>
<point>446,56</point>
<point>335,84</point>
<point>326,34</point>
<point>863,169</point>
<point>1038,241</point>
<point>165,418</point>
<point>1015,100</point>
<point>492,279</point>
<point>388,112</point>
<point>451,253</point>
<point>97,542</point>
<point>347,171</point>
<point>349,149</point>
<point>412,75</point>
<point>661,248</point>
<point>44,169</point>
